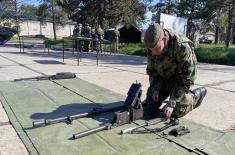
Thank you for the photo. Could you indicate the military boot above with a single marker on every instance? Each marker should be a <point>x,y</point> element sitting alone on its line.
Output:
<point>200,94</point>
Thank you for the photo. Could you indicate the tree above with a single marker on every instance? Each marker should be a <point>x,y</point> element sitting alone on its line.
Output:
<point>191,9</point>
<point>42,15</point>
<point>106,12</point>
<point>57,14</point>
<point>29,12</point>
<point>230,5</point>
<point>164,6</point>
<point>8,9</point>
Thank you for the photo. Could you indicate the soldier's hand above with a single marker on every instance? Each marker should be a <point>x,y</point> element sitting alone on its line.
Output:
<point>167,112</point>
<point>155,96</point>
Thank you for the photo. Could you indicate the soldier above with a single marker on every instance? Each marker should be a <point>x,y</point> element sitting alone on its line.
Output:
<point>100,33</point>
<point>172,70</point>
<point>86,32</point>
<point>116,39</point>
<point>77,30</point>
<point>94,36</point>
<point>77,33</point>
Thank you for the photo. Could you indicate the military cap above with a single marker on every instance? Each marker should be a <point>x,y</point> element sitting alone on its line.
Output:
<point>152,35</point>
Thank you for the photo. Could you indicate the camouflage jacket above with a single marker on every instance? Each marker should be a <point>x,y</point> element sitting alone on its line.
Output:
<point>86,31</point>
<point>176,65</point>
<point>116,34</point>
<point>77,31</point>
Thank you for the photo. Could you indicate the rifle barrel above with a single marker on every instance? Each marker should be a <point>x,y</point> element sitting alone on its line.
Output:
<point>91,131</point>
<point>69,119</point>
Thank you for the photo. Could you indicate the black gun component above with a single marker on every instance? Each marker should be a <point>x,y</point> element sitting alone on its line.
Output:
<point>173,122</point>
<point>57,76</point>
<point>147,123</point>
<point>132,100</point>
<point>129,113</point>
<point>182,130</point>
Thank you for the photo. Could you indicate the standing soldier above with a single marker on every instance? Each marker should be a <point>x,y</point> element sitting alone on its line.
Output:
<point>94,44</point>
<point>100,33</point>
<point>116,39</point>
<point>172,70</point>
<point>86,32</point>
<point>77,33</point>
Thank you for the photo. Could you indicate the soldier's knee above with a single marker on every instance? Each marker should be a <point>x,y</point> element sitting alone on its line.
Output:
<point>181,110</point>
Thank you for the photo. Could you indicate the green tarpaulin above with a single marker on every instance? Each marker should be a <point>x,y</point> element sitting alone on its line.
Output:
<point>26,101</point>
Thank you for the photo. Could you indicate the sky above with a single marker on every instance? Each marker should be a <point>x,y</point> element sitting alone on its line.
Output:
<point>34,2</point>
<point>149,16</point>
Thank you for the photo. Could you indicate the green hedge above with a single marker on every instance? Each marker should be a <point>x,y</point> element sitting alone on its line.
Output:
<point>217,54</point>
<point>209,53</point>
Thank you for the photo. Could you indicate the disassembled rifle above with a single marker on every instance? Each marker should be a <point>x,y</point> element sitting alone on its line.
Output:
<point>129,111</point>
<point>57,76</point>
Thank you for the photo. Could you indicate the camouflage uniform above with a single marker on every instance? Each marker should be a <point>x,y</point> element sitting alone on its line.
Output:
<point>173,72</point>
<point>100,34</point>
<point>77,33</point>
<point>86,32</point>
<point>94,44</point>
<point>116,39</point>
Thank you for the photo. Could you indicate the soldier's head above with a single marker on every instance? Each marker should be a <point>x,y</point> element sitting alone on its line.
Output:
<point>154,39</point>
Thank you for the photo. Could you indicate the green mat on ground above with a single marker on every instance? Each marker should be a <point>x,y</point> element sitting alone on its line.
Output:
<point>26,101</point>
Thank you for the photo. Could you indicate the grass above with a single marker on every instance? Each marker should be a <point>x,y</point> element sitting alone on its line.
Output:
<point>209,53</point>
<point>133,49</point>
<point>216,54</point>
<point>16,38</point>
<point>59,42</point>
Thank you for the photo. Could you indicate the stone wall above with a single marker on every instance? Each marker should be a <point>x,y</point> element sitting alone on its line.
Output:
<point>33,28</point>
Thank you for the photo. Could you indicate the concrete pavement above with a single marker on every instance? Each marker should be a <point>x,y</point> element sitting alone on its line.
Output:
<point>115,72</point>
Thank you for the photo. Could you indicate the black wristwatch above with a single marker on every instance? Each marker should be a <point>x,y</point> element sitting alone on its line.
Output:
<point>172,103</point>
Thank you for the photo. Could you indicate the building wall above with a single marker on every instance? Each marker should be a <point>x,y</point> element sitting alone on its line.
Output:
<point>33,28</point>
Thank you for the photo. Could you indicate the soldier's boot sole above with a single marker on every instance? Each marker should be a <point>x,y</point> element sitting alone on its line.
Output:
<point>200,94</point>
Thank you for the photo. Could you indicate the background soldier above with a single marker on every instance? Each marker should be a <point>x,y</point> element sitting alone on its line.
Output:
<point>86,32</point>
<point>172,70</point>
<point>116,39</point>
<point>100,33</point>
<point>77,33</point>
<point>94,36</point>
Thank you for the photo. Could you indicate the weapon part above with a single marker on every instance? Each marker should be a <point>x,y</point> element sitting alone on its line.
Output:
<point>182,130</point>
<point>132,111</point>
<point>132,102</point>
<point>57,76</point>
<point>147,123</point>
<point>173,122</point>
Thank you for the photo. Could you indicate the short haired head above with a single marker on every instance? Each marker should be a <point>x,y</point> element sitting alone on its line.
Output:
<point>152,35</point>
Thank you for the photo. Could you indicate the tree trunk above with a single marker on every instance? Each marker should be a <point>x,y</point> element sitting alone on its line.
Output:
<point>40,28</point>
<point>158,18</point>
<point>189,25</point>
<point>53,21</point>
<point>233,39</point>
<point>216,34</point>
<point>230,16</point>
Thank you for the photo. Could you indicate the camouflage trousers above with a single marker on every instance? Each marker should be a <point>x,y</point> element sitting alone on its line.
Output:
<point>164,88</point>
<point>86,46</point>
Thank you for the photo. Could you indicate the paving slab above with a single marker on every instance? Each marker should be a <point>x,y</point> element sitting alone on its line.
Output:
<point>10,144</point>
